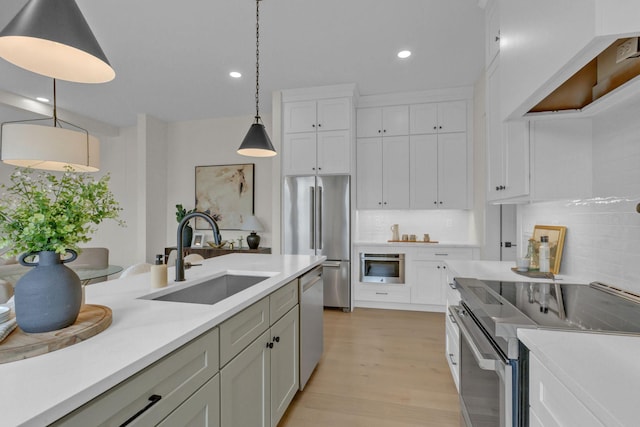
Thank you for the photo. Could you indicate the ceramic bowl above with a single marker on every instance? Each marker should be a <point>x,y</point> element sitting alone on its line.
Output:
<point>213,244</point>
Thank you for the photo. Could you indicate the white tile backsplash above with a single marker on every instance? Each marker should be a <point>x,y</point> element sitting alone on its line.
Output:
<point>450,226</point>
<point>603,233</point>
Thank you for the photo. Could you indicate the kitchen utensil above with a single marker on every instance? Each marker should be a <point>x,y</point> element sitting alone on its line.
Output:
<point>405,237</point>
<point>394,232</point>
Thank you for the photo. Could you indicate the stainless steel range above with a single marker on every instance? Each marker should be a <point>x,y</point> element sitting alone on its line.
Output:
<point>494,364</point>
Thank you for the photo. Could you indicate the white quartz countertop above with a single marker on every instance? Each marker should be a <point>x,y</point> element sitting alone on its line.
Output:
<point>501,271</point>
<point>417,244</point>
<point>42,389</point>
<point>601,370</point>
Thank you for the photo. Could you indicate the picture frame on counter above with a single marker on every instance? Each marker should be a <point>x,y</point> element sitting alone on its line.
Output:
<point>556,234</point>
<point>198,240</point>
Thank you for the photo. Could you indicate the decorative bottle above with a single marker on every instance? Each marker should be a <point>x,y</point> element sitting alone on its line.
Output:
<point>544,254</point>
<point>159,273</point>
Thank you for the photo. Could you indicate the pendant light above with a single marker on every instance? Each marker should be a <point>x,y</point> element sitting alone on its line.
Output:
<point>257,143</point>
<point>39,146</point>
<point>52,38</point>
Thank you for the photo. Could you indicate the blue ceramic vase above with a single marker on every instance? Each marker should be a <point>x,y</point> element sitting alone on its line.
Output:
<point>49,297</point>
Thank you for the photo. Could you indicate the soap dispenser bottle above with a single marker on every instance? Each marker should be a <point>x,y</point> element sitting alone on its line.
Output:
<point>544,254</point>
<point>159,273</point>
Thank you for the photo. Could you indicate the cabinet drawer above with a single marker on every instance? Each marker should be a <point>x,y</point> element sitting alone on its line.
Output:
<point>552,402</point>
<point>202,409</point>
<point>239,331</point>
<point>401,294</point>
<point>444,253</point>
<point>173,378</point>
<point>283,300</point>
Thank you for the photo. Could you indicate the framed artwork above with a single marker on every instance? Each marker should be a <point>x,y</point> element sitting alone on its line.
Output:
<point>198,240</point>
<point>226,193</point>
<point>556,243</point>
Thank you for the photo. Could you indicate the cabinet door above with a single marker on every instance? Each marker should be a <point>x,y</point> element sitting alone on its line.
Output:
<point>427,283</point>
<point>515,142</point>
<point>369,122</point>
<point>334,152</point>
<point>240,330</point>
<point>245,392</point>
<point>202,409</point>
<point>369,172</point>
<point>495,168</point>
<point>452,171</point>
<point>452,116</point>
<point>395,120</point>
<point>284,363</point>
<point>424,118</point>
<point>424,171</point>
<point>334,114</point>
<point>299,116</point>
<point>395,172</point>
<point>299,153</point>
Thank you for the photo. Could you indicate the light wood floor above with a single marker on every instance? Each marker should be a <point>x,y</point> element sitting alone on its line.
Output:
<point>380,368</point>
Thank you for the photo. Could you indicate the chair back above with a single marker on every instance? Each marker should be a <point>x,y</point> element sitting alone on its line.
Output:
<point>94,258</point>
<point>139,268</point>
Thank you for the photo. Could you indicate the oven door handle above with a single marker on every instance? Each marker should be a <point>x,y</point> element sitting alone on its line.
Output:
<point>487,357</point>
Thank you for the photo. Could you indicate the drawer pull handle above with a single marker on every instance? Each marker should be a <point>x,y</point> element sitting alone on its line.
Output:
<point>382,293</point>
<point>153,399</point>
<point>451,359</point>
<point>453,320</point>
<point>276,339</point>
<point>269,345</point>
<point>442,254</point>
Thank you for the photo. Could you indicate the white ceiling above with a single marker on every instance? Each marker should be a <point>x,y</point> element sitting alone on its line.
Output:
<point>172,58</point>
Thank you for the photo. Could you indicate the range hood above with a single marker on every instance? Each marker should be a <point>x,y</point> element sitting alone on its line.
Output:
<point>614,66</point>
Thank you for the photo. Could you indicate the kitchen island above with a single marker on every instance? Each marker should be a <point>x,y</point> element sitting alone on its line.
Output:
<point>39,390</point>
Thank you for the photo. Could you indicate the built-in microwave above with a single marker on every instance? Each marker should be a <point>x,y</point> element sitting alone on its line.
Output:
<point>382,268</point>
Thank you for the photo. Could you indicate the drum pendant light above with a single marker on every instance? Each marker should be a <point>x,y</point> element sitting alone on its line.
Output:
<point>52,38</point>
<point>39,146</point>
<point>257,143</point>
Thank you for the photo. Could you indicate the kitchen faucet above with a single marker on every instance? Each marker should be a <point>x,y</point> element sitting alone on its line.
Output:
<point>180,246</point>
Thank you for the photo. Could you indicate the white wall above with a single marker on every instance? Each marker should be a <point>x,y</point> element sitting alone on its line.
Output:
<point>603,233</point>
<point>213,142</point>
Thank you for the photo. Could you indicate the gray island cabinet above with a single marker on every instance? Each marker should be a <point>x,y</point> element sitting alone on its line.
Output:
<point>160,363</point>
<point>242,373</point>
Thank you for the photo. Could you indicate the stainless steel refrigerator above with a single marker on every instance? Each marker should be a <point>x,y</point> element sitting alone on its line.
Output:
<point>316,221</point>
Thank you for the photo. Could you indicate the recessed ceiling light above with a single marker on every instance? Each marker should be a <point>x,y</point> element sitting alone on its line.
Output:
<point>42,99</point>
<point>403,54</point>
<point>235,74</point>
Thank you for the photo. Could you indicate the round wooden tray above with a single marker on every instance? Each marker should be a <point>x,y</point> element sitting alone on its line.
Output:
<point>19,345</point>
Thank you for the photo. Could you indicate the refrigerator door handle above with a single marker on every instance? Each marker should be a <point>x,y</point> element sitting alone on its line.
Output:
<point>319,244</point>
<point>313,218</point>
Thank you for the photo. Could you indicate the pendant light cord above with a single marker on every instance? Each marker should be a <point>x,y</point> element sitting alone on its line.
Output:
<point>55,110</point>
<point>257,61</point>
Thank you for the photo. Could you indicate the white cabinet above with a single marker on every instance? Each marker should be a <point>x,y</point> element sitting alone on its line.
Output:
<point>427,285</point>
<point>551,404</point>
<point>317,137</point>
<point>438,171</point>
<point>507,148</point>
<point>383,121</point>
<point>383,173</point>
<point>440,117</point>
<point>317,115</point>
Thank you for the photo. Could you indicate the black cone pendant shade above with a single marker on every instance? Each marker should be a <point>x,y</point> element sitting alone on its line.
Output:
<point>257,143</point>
<point>52,38</point>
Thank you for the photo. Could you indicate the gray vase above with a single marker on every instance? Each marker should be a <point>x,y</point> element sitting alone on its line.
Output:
<point>187,235</point>
<point>49,297</point>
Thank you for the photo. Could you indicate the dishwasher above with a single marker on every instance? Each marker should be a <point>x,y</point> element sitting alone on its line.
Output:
<point>311,329</point>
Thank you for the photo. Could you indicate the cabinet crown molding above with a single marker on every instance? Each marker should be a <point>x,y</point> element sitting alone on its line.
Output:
<point>320,92</point>
<point>402,98</point>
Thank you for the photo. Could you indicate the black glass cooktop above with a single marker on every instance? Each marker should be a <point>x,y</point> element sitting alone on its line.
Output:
<point>566,306</point>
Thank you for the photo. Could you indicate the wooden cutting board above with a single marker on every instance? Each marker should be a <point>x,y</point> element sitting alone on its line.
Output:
<point>19,345</point>
<point>411,241</point>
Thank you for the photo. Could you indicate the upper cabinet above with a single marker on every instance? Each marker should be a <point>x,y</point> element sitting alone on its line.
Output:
<point>438,117</point>
<point>414,150</point>
<point>539,52</point>
<point>320,115</point>
<point>383,121</point>
<point>318,130</point>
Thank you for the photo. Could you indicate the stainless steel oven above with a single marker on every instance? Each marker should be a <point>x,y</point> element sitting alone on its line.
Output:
<point>382,268</point>
<point>486,376</point>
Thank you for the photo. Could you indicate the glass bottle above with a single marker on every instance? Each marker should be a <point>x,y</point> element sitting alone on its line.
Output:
<point>544,254</point>
<point>532,255</point>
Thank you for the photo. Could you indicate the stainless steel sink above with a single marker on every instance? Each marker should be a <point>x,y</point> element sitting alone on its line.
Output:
<point>210,291</point>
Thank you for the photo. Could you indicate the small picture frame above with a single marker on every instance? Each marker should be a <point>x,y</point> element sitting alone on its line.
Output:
<point>556,236</point>
<point>198,240</point>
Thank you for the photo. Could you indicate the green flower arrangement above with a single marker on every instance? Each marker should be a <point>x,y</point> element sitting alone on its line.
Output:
<point>41,211</point>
